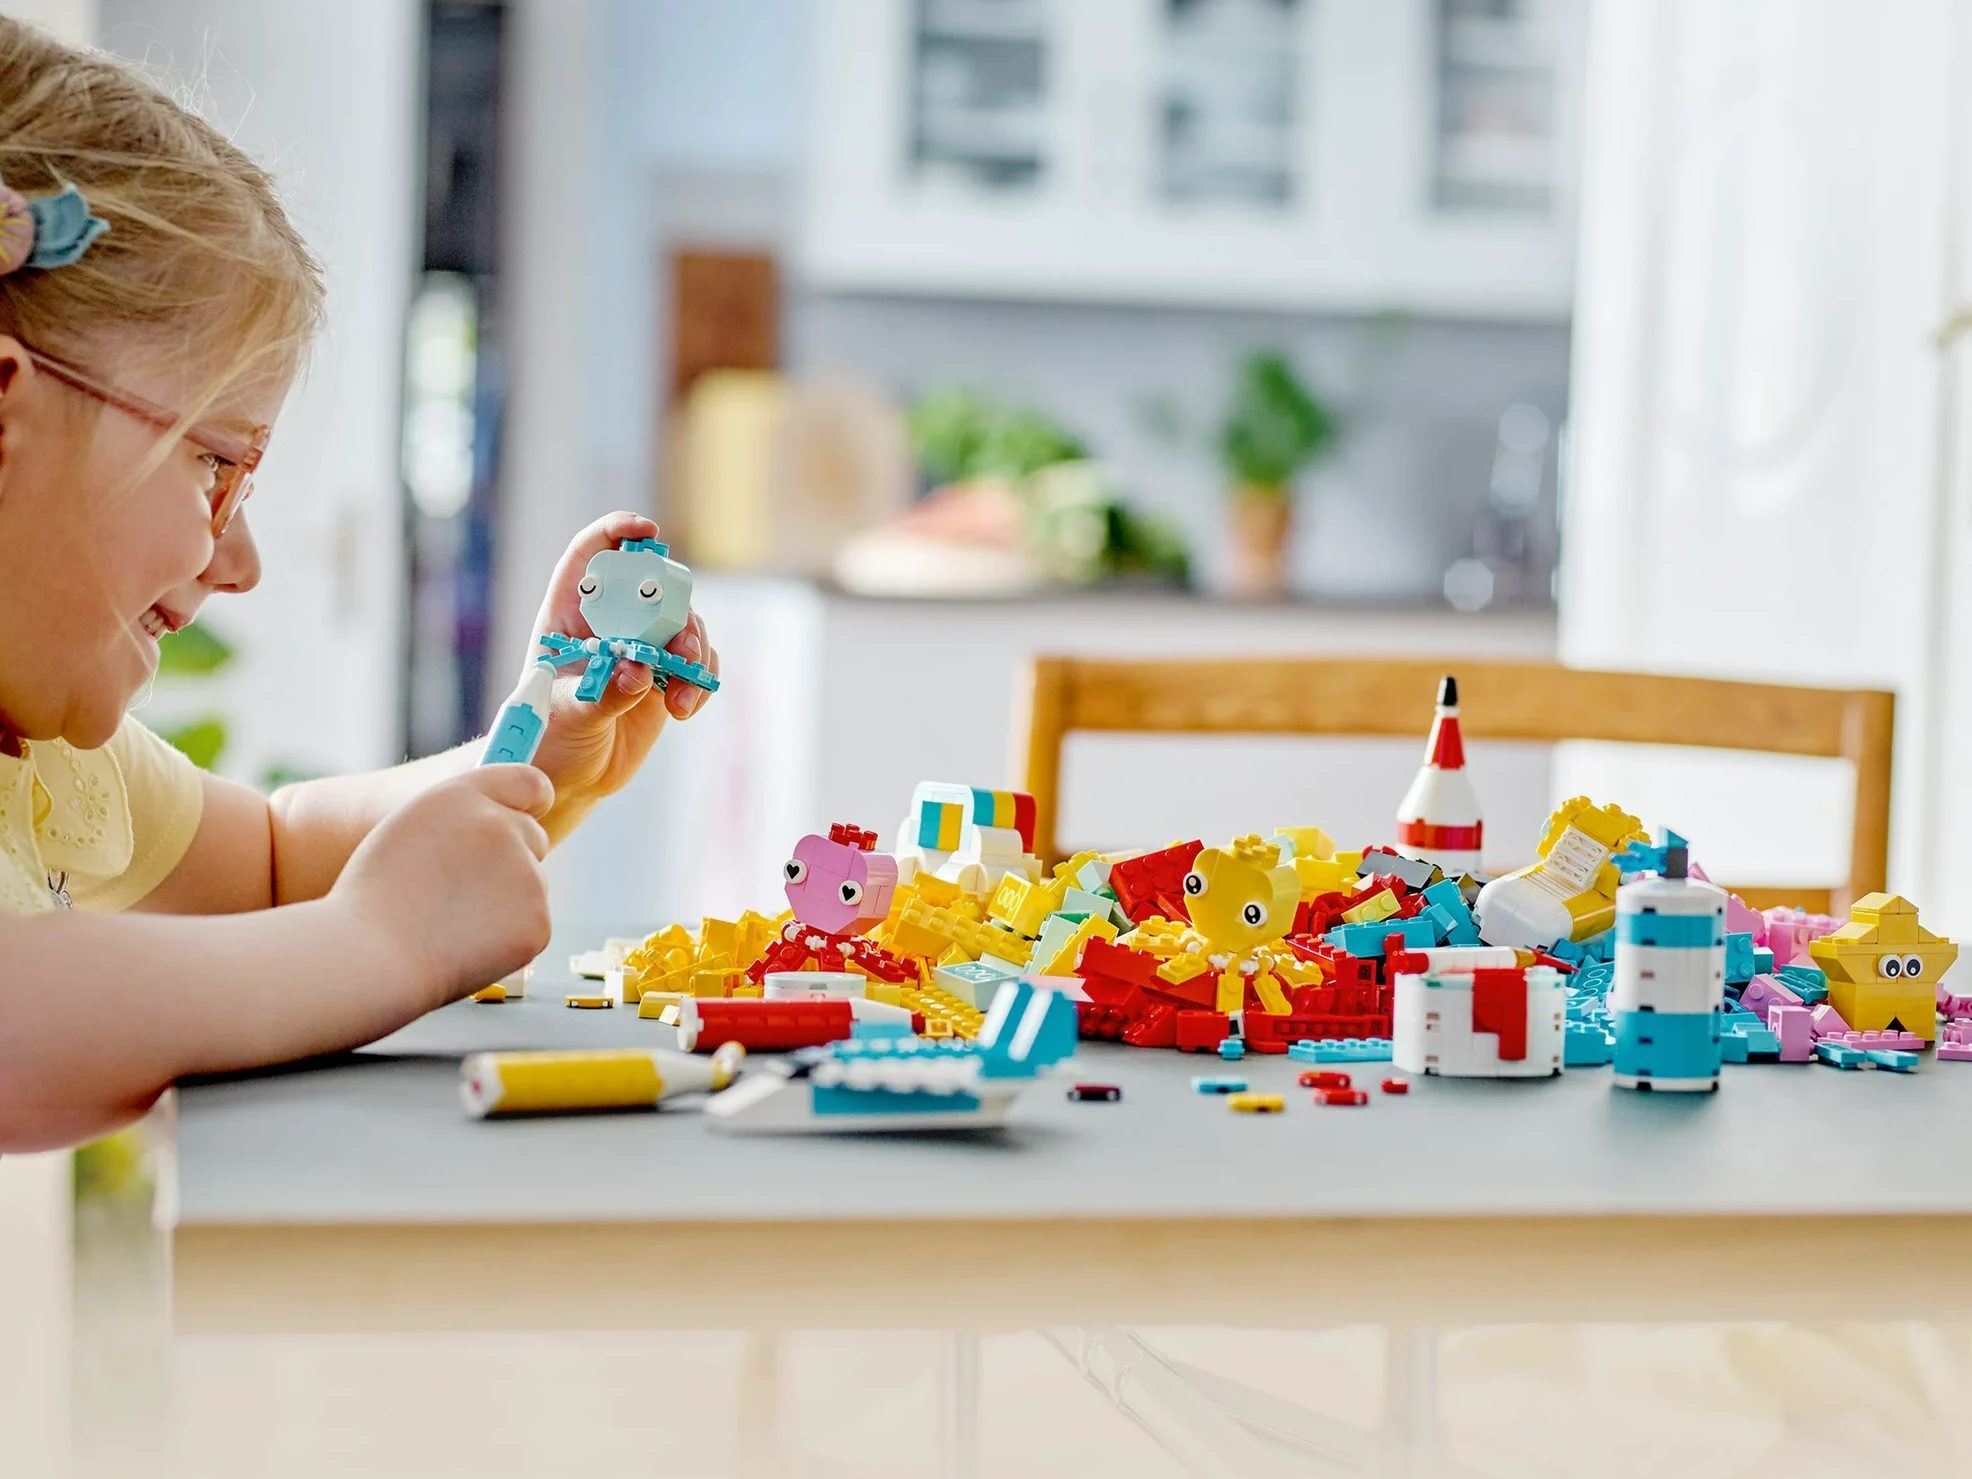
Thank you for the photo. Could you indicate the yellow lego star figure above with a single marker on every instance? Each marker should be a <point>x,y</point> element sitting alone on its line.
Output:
<point>1883,967</point>
<point>1242,898</point>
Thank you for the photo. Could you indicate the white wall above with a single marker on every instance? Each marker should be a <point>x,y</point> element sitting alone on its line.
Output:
<point>72,20</point>
<point>1757,400</point>
<point>327,96</point>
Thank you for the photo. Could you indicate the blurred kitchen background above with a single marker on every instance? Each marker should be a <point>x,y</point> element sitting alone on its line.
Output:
<point>941,332</point>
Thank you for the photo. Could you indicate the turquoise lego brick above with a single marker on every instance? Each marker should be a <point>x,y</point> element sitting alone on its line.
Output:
<point>1218,1083</point>
<point>1738,958</point>
<point>1586,1046</point>
<point>1808,982</point>
<point>840,1099</point>
<point>1732,1048</point>
<point>1341,1050</point>
<point>1027,1028</point>
<point>1232,1049</point>
<point>1897,1060</point>
<point>1567,951</point>
<point>1082,901</point>
<point>1599,947</point>
<point>1841,1055</point>
<point>1762,961</point>
<point>867,1031</point>
<point>1365,941</point>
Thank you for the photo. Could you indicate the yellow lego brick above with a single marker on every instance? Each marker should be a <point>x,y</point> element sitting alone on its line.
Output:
<point>1251,849</point>
<point>718,937</point>
<point>1182,967</point>
<point>1379,905</point>
<point>1294,971</point>
<point>887,992</point>
<point>938,1029</point>
<point>712,981</point>
<point>588,1001</point>
<point>939,893</point>
<point>1156,936</point>
<point>1318,876</point>
<point>1267,987</point>
<point>1230,995</point>
<point>1064,960</point>
<point>756,932</point>
<point>1255,1103</point>
<point>918,931</point>
<point>653,1003</point>
<point>1304,842</point>
<point>487,995</point>
<point>752,990</point>
<point>955,956</point>
<point>1021,905</point>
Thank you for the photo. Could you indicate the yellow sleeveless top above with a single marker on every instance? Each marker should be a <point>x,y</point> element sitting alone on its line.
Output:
<point>109,825</point>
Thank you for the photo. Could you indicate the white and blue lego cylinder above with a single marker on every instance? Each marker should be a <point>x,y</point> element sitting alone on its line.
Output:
<point>1668,990</point>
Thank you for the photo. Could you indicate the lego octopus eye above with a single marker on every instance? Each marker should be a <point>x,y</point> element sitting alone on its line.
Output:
<point>1890,966</point>
<point>852,893</point>
<point>795,870</point>
<point>650,590</point>
<point>590,585</point>
<point>1195,884</point>
<point>1254,915</point>
<point>1913,967</point>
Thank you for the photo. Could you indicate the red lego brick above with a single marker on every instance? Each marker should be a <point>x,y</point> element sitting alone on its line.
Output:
<point>1156,1028</point>
<point>1119,963</point>
<point>1201,1032</point>
<point>1396,1086</point>
<point>1341,1096</point>
<point>1154,882</point>
<point>772,1026</point>
<point>854,836</point>
<point>1320,1078</point>
<point>1499,1006</point>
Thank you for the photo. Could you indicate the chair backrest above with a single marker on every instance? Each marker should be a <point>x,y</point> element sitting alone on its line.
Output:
<point>1541,702</point>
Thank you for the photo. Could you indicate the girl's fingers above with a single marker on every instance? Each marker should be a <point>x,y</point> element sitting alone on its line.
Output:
<point>683,699</point>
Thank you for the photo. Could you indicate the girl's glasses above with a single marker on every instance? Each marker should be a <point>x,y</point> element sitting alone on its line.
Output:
<point>234,458</point>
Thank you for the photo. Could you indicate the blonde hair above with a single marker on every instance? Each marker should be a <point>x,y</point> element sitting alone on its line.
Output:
<point>200,259</point>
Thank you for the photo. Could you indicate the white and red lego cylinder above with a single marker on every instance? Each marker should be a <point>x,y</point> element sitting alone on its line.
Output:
<point>1439,820</point>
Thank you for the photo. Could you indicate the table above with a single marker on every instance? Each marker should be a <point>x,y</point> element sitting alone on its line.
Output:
<point>354,1194</point>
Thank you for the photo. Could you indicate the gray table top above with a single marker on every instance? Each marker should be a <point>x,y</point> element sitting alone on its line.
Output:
<point>378,1137</point>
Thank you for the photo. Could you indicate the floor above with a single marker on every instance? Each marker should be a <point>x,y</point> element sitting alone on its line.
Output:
<point>92,1384</point>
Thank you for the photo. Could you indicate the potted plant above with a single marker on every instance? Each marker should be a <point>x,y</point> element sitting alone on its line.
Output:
<point>1274,428</point>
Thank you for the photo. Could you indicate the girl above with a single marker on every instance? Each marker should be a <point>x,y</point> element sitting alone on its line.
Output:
<point>155,305</point>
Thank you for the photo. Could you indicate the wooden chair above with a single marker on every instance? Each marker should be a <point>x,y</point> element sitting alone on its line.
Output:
<point>1499,701</point>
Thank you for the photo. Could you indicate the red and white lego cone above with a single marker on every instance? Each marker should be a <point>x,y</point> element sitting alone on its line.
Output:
<point>1439,819</point>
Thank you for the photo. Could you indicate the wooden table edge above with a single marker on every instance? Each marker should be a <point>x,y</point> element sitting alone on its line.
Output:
<point>1284,1273</point>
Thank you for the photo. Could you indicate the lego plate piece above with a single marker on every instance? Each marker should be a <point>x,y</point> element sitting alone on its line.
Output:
<point>1246,1103</point>
<point>908,1083</point>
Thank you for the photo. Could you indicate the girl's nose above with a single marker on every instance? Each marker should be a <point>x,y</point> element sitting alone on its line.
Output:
<point>235,559</point>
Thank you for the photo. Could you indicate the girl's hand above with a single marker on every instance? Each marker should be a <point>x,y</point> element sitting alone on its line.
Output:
<point>592,750</point>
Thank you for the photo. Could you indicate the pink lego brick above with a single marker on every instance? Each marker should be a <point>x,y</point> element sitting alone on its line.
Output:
<point>1788,933</point>
<point>1828,1022</point>
<point>1903,1042</point>
<point>1955,1032</point>
<point>1794,1026</point>
<point>1955,1052</point>
<point>1763,992</point>
<point>1953,1006</point>
<point>1743,919</point>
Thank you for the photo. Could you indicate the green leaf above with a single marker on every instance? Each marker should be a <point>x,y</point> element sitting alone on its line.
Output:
<point>200,741</point>
<point>1275,426</point>
<point>193,650</point>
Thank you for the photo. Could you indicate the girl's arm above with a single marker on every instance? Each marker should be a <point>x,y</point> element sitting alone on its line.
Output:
<point>99,1013</point>
<point>251,852</point>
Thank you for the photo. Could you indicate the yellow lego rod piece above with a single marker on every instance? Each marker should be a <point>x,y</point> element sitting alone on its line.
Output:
<point>600,1079</point>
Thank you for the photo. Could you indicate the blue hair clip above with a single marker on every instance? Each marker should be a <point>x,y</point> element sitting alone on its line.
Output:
<point>52,231</point>
<point>63,228</point>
